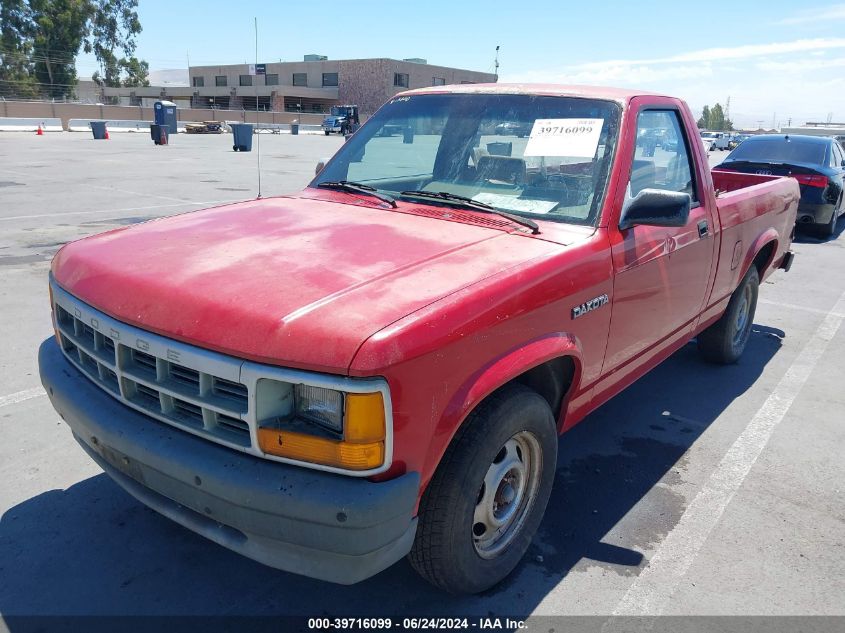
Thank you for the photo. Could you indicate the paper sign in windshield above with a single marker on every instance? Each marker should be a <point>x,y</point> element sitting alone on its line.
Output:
<point>564,137</point>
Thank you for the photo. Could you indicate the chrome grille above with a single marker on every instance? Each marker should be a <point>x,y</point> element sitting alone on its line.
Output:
<point>194,389</point>
<point>191,397</point>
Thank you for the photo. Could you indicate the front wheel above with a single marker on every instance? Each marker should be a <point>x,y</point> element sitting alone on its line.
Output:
<point>327,132</point>
<point>725,340</point>
<point>485,502</point>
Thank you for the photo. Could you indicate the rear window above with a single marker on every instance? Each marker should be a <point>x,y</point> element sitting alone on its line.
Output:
<point>780,150</point>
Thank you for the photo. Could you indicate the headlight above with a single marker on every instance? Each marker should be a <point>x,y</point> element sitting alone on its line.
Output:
<point>321,426</point>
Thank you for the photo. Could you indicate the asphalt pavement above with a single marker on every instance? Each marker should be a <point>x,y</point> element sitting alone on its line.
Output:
<point>700,490</point>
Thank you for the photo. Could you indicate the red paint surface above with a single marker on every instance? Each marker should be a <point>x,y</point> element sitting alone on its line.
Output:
<point>446,311</point>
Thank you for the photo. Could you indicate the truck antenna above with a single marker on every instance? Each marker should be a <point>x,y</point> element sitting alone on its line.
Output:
<point>257,131</point>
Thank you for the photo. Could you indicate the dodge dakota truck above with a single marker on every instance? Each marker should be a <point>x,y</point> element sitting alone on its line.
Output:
<point>381,364</point>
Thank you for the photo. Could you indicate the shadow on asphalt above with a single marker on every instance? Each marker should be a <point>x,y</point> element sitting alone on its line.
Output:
<point>92,549</point>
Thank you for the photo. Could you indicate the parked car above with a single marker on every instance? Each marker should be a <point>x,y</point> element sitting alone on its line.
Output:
<point>736,140</point>
<point>380,365</point>
<point>715,140</point>
<point>816,162</point>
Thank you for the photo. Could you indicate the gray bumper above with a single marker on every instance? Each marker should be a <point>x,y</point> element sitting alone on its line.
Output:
<point>326,526</point>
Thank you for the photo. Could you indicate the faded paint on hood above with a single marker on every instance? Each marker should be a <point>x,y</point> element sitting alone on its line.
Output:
<point>288,281</point>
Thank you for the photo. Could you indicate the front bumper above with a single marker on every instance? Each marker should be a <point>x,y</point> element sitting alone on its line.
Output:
<point>332,527</point>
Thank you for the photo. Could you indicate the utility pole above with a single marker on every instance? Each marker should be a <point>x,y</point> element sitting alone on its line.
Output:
<point>496,64</point>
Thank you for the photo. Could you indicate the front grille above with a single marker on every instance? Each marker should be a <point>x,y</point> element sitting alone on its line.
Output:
<point>161,383</point>
<point>205,393</point>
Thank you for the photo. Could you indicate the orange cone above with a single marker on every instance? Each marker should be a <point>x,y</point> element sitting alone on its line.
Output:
<point>107,134</point>
<point>40,132</point>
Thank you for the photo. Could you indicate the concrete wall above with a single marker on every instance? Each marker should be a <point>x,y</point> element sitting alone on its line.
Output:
<point>67,111</point>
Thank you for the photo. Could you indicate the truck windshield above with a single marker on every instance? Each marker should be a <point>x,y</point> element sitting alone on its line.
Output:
<point>336,111</point>
<point>536,156</point>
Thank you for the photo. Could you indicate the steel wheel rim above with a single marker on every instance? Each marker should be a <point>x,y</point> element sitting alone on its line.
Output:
<point>506,494</point>
<point>743,319</point>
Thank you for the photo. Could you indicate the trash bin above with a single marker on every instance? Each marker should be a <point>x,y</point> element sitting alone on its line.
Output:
<point>242,135</point>
<point>99,129</point>
<point>294,128</point>
<point>159,133</point>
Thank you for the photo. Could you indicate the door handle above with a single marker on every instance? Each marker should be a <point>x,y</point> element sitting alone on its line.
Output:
<point>702,228</point>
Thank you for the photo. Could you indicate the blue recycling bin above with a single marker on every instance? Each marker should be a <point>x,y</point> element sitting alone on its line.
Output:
<point>99,130</point>
<point>165,114</point>
<point>242,136</point>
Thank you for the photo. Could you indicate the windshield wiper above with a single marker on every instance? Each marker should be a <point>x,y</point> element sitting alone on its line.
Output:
<point>469,203</point>
<point>357,187</point>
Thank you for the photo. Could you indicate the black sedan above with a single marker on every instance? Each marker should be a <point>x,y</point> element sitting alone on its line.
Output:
<point>817,163</point>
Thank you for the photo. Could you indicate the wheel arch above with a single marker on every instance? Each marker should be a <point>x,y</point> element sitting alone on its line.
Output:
<point>761,254</point>
<point>551,365</point>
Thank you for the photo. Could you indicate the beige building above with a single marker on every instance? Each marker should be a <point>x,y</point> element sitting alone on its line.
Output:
<point>310,86</point>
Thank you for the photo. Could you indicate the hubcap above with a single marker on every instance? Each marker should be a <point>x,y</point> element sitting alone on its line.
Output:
<point>507,494</point>
<point>742,323</point>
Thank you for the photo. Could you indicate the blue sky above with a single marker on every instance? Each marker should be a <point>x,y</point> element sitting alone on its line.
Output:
<point>776,60</point>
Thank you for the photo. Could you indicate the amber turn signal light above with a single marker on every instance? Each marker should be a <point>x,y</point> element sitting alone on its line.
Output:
<point>362,447</point>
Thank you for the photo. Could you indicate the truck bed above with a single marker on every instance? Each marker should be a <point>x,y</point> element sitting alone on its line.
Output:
<point>752,208</point>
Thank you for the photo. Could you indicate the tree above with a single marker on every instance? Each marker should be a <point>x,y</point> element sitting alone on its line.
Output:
<point>16,66</point>
<point>40,39</point>
<point>714,119</point>
<point>704,121</point>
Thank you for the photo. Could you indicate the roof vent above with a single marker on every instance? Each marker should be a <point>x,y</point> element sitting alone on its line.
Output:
<point>416,60</point>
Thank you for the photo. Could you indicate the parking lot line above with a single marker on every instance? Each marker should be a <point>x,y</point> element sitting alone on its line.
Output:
<point>20,396</point>
<point>794,306</point>
<point>124,210</point>
<point>651,590</point>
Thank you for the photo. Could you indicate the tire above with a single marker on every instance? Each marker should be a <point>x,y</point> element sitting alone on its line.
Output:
<point>509,441</point>
<point>725,340</point>
<point>829,229</point>
<point>327,132</point>
<point>235,147</point>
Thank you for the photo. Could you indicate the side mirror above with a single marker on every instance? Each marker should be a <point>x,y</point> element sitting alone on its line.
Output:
<point>320,165</point>
<point>655,207</point>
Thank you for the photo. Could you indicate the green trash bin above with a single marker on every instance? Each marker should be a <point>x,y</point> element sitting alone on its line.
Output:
<point>99,130</point>
<point>242,135</point>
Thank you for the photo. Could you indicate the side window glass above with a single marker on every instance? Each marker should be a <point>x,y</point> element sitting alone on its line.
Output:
<point>661,159</point>
<point>838,155</point>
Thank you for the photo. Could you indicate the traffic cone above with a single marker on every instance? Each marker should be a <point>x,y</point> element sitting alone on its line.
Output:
<point>107,134</point>
<point>40,132</point>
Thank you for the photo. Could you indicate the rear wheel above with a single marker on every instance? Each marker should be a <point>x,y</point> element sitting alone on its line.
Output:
<point>485,502</point>
<point>725,340</point>
<point>829,229</point>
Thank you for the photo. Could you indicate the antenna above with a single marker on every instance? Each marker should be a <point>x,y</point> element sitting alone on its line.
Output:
<point>496,64</point>
<point>257,131</point>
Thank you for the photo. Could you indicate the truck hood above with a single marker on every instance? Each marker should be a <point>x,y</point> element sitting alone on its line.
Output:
<point>296,282</point>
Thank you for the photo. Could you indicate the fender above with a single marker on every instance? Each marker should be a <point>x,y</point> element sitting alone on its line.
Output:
<point>764,239</point>
<point>493,375</point>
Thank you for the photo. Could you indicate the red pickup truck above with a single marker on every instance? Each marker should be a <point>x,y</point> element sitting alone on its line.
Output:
<point>381,364</point>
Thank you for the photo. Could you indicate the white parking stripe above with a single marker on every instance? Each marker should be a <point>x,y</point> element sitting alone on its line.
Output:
<point>20,396</point>
<point>116,211</point>
<point>794,306</point>
<point>652,589</point>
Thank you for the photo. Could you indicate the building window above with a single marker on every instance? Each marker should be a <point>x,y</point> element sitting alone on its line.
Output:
<point>246,80</point>
<point>220,81</point>
<point>467,82</point>
<point>438,81</point>
<point>271,80</point>
<point>329,79</point>
<point>301,79</point>
<point>198,82</point>
<point>400,79</point>
<point>316,107</point>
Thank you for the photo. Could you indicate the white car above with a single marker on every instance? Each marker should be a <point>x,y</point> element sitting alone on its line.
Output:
<point>715,140</point>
